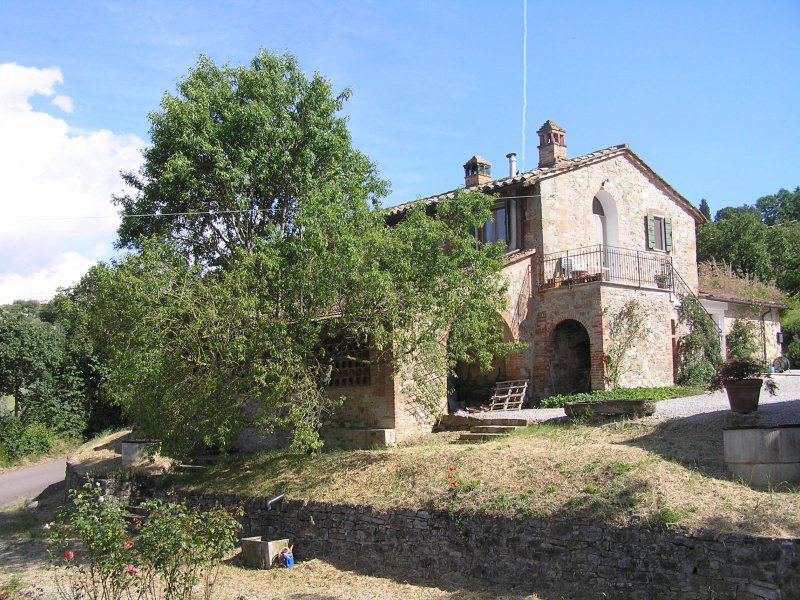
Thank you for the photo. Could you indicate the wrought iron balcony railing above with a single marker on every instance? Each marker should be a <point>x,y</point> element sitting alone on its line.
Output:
<point>606,263</point>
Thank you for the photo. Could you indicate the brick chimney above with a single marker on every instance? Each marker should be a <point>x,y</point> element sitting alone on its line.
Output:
<point>477,171</point>
<point>551,144</point>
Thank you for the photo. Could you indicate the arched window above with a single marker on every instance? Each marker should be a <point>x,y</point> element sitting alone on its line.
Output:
<point>597,208</point>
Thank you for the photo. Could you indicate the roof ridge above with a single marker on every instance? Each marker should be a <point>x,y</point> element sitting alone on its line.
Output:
<point>519,177</point>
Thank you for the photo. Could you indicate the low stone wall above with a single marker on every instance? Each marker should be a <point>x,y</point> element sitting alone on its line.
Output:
<point>540,555</point>
<point>547,557</point>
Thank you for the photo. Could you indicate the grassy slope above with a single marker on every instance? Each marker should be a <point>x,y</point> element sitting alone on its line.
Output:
<point>621,473</point>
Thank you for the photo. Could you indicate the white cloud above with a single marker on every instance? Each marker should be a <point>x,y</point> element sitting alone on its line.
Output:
<point>63,102</point>
<point>56,218</point>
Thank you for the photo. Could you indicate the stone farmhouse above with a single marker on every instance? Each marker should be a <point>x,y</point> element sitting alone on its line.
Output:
<point>584,236</point>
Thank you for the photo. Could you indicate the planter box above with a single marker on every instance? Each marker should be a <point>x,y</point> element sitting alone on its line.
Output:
<point>611,408</point>
<point>763,455</point>
<point>135,452</point>
<point>260,554</point>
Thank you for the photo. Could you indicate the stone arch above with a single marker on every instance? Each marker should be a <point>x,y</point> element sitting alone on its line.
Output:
<point>473,387</point>
<point>570,358</point>
<point>608,222</point>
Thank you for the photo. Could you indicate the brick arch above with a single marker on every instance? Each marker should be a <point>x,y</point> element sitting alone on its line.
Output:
<point>509,327</point>
<point>515,362</point>
<point>543,368</point>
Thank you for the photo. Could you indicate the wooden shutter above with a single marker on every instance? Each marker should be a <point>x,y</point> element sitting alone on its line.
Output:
<point>667,234</point>
<point>651,232</point>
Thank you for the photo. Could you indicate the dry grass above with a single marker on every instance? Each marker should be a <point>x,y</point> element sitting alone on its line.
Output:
<point>720,277</point>
<point>629,473</point>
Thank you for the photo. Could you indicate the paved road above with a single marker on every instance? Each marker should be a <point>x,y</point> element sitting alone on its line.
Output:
<point>29,482</point>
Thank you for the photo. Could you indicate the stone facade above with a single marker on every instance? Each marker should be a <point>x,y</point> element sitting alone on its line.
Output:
<point>725,310</point>
<point>637,229</point>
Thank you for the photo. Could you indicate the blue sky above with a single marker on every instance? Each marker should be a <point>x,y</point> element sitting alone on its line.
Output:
<point>705,92</point>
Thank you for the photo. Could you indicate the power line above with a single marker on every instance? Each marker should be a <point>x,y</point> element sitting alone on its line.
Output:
<point>142,215</point>
<point>524,73</point>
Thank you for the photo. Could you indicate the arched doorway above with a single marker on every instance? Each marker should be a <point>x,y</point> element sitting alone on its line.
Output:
<point>604,209</point>
<point>472,386</point>
<point>571,363</point>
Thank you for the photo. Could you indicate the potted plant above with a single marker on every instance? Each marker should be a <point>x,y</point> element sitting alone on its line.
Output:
<point>662,280</point>
<point>742,380</point>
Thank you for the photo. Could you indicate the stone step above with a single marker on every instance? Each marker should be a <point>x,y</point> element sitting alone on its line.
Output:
<point>506,422</point>
<point>480,437</point>
<point>493,428</point>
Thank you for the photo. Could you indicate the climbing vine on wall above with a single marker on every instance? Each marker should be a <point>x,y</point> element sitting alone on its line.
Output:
<point>698,350</point>
<point>625,327</point>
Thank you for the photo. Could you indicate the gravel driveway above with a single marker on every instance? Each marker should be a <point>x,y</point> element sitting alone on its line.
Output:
<point>783,408</point>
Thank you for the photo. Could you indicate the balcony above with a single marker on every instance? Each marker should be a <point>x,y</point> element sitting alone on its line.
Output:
<point>606,263</point>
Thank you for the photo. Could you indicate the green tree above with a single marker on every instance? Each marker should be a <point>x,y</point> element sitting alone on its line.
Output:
<point>29,353</point>
<point>34,370</point>
<point>71,309</point>
<point>284,267</point>
<point>783,207</point>
<point>739,238</point>
<point>235,152</point>
<point>705,208</point>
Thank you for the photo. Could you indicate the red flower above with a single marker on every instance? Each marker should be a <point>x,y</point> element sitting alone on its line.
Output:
<point>454,483</point>
<point>128,544</point>
<point>131,570</point>
<point>69,555</point>
<point>452,469</point>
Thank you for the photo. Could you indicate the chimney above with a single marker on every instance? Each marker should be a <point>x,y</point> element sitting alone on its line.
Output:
<point>551,144</point>
<point>512,163</point>
<point>477,171</point>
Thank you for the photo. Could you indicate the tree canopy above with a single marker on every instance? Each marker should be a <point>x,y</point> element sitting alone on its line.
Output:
<point>235,152</point>
<point>36,373</point>
<point>271,260</point>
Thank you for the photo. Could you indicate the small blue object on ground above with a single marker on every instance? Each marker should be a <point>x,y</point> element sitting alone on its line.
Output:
<point>288,559</point>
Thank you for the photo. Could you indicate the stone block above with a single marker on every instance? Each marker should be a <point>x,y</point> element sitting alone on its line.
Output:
<point>260,554</point>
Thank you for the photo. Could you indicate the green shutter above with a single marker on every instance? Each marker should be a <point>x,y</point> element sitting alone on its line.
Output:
<point>508,224</point>
<point>668,234</point>
<point>651,232</point>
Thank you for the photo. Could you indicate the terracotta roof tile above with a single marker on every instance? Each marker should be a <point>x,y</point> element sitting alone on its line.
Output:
<point>539,174</point>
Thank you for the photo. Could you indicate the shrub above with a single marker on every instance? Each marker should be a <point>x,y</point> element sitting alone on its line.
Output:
<point>176,548</point>
<point>699,349</point>
<point>657,393</point>
<point>18,439</point>
<point>742,341</point>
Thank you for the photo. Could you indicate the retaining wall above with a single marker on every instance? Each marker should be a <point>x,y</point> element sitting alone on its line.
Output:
<point>540,555</point>
<point>546,557</point>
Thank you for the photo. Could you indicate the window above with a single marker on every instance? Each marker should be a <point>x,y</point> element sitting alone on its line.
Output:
<point>351,366</point>
<point>496,228</point>
<point>659,233</point>
<point>502,225</point>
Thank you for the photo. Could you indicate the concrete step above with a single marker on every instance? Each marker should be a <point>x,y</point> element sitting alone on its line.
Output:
<point>506,422</point>
<point>480,437</point>
<point>493,428</point>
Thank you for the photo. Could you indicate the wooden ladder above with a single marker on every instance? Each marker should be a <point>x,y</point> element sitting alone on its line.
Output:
<point>509,395</point>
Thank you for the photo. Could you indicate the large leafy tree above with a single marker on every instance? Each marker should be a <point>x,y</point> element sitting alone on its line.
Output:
<point>270,260</point>
<point>70,309</point>
<point>36,373</point>
<point>783,207</point>
<point>233,154</point>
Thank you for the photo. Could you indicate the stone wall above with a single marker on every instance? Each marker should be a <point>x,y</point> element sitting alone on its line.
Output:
<point>650,361</point>
<point>568,222</point>
<point>544,557</point>
<point>766,338</point>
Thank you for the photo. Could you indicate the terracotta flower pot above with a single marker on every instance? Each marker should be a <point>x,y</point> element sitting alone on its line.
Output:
<point>743,394</point>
